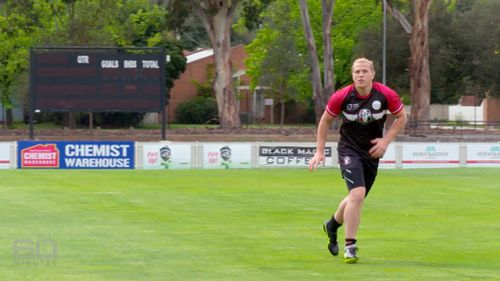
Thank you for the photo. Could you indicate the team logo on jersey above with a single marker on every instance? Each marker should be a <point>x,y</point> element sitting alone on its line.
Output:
<point>365,116</point>
<point>376,105</point>
<point>352,106</point>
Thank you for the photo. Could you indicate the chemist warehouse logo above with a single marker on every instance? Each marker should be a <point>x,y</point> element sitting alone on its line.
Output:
<point>79,155</point>
<point>98,156</point>
<point>40,156</point>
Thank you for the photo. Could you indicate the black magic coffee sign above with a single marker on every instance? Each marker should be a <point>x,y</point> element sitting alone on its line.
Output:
<point>289,155</point>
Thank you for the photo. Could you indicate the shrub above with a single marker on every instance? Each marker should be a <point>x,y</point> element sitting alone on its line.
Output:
<point>200,110</point>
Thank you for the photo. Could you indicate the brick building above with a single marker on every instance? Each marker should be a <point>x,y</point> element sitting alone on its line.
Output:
<point>491,109</point>
<point>251,105</point>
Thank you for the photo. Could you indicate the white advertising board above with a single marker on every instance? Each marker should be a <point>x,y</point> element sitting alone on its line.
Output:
<point>483,155</point>
<point>227,156</point>
<point>166,156</point>
<point>389,159</point>
<point>431,155</point>
<point>290,155</point>
<point>5,161</point>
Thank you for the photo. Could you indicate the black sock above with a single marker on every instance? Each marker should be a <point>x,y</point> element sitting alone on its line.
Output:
<point>333,224</point>
<point>350,241</point>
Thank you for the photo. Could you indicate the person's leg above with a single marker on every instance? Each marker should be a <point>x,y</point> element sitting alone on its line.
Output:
<point>349,209</point>
<point>352,217</point>
<point>339,214</point>
<point>331,227</point>
<point>352,211</point>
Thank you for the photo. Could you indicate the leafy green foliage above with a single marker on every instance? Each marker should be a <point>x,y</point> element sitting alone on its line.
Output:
<point>350,18</point>
<point>251,12</point>
<point>116,119</point>
<point>21,24</point>
<point>464,50</point>
<point>274,60</point>
<point>27,23</point>
<point>200,110</point>
<point>282,34</point>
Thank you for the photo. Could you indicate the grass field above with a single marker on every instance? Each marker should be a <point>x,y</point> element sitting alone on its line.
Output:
<point>436,224</point>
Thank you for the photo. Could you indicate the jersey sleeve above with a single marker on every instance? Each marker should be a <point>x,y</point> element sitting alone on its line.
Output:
<point>334,105</point>
<point>394,103</point>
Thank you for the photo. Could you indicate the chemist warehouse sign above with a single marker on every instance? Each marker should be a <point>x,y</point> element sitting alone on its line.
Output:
<point>76,155</point>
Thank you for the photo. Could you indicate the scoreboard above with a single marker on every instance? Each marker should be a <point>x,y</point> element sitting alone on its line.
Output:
<point>72,79</point>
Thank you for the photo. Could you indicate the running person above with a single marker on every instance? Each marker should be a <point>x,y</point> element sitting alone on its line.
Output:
<point>362,106</point>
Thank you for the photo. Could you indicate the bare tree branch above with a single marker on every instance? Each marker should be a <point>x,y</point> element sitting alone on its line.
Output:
<point>397,15</point>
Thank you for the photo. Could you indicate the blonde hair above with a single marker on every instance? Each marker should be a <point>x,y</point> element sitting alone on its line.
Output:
<point>363,60</point>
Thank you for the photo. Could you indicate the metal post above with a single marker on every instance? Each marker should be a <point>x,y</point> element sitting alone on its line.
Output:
<point>384,39</point>
<point>164,101</point>
<point>475,108</point>
<point>163,124</point>
<point>32,94</point>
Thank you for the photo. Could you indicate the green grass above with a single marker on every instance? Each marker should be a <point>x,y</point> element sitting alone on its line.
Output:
<point>439,224</point>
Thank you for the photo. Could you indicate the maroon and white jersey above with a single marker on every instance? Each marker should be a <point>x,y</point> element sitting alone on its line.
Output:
<point>363,117</point>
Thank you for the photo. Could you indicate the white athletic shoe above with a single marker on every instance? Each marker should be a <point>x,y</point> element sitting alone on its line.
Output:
<point>350,255</point>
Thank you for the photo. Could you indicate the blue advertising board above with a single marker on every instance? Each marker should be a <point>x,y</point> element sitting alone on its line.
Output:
<point>76,154</point>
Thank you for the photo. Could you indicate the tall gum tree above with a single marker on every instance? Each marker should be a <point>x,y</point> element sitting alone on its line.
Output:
<point>217,16</point>
<point>420,81</point>
<point>321,89</point>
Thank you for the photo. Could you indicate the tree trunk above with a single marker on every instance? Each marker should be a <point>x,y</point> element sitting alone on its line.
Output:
<point>319,105</point>
<point>282,112</point>
<point>420,82</point>
<point>72,120</point>
<point>321,89</point>
<point>9,116</point>
<point>217,18</point>
<point>328,73</point>
<point>399,17</point>
<point>284,90</point>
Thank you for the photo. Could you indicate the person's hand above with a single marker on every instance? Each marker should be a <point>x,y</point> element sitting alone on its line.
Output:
<point>318,159</point>
<point>379,147</point>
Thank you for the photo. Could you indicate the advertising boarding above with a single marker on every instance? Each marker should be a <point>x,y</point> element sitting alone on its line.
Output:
<point>483,155</point>
<point>75,155</point>
<point>286,155</point>
<point>227,156</point>
<point>5,155</point>
<point>431,155</point>
<point>388,161</point>
<point>166,156</point>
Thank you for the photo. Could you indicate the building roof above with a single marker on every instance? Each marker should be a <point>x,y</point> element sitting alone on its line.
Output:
<point>198,55</point>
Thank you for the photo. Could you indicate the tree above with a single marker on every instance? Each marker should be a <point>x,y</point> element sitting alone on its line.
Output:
<point>420,83</point>
<point>20,26</point>
<point>463,46</point>
<point>216,17</point>
<point>480,57</point>
<point>350,19</point>
<point>420,80</point>
<point>274,58</point>
<point>81,22</point>
<point>321,89</point>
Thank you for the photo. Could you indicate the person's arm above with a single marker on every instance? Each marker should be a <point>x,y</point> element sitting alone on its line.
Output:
<point>319,155</point>
<point>380,144</point>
